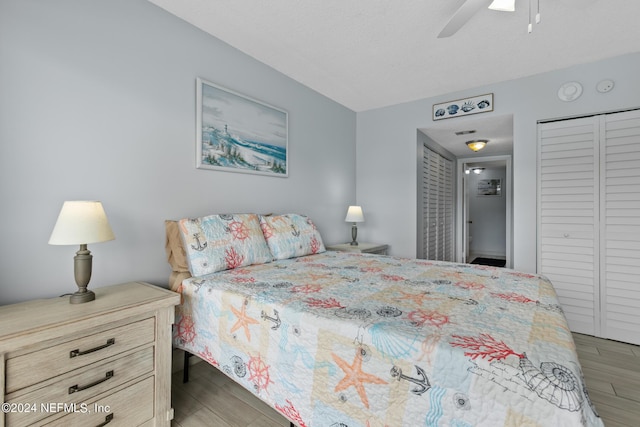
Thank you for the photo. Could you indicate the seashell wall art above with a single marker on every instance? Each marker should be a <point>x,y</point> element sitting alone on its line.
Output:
<point>463,107</point>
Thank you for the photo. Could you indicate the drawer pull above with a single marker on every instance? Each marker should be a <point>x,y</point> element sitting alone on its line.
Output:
<point>76,387</point>
<point>77,352</point>
<point>107,420</point>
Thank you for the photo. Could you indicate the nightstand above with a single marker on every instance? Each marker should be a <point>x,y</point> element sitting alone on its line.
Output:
<point>102,362</point>
<point>369,248</point>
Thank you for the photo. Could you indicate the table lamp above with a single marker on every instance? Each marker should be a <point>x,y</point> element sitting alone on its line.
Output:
<point>354,215</point>
<point>81,223</point>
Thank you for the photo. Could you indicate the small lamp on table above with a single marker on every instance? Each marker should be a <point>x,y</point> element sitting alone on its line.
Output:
<point>81,223</point>
<point>354,215</point>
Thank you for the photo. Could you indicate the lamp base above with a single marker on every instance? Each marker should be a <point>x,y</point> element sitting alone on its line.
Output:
<point>82,272</point>
<point>81,297</point>
<point>354,235</point>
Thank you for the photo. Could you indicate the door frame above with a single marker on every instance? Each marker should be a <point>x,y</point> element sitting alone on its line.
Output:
<point>462,202</point>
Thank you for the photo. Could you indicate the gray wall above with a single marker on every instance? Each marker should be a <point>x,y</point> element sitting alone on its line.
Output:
<point>97,101</point>
<point>386,138</point>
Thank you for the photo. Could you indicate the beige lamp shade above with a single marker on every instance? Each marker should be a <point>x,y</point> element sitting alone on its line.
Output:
<point>81,222</point>
<point>354,214</point>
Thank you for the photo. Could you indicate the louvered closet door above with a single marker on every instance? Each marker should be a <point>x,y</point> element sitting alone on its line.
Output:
<point>620,227</point>
<point>431,185</point>
<point>437,206</point>
<point>568,212</point>
<point>447,212</point>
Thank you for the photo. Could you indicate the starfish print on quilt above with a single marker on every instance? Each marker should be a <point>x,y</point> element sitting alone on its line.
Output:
<point>243,321</point>
<point>355,377</point>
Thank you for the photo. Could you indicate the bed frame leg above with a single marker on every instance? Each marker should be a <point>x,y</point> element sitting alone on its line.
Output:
<point>185,370</point>
<point>291,424</point>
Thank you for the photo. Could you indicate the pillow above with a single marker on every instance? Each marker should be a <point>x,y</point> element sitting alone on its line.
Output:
<point>176,255</point>
<point>291,235</point>
<point>221,242</point>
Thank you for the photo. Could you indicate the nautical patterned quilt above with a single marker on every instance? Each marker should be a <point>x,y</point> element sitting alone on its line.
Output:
<point>343,339</point>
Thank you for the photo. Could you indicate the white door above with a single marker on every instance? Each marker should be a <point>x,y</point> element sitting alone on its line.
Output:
<point>620,226</point>
<point>437,207</point>
<point>589,221</point>
<point>466,222</point>
<point>568,210</point>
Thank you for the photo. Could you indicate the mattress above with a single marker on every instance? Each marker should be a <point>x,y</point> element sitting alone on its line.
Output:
<point>344,339</point>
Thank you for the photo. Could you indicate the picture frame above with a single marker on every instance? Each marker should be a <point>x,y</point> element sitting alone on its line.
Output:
<point>463,107</point>
<point>489,187</point>
<point>237,133</point>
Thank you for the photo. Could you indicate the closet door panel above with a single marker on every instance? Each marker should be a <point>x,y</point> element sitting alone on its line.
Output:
<point>438,208</point>
<point>448,211</point>
<point>620,212</point>
<point>568,209</point>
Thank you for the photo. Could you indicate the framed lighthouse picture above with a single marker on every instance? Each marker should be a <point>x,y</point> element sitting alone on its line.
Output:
<point>236,133</point>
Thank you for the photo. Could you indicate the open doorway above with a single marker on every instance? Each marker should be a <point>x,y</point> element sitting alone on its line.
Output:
<point>484,200</point>
<point>489,235</point>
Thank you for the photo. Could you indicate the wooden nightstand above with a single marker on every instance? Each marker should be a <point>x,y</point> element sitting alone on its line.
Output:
<point>103,362</point>
<point>369,248</point>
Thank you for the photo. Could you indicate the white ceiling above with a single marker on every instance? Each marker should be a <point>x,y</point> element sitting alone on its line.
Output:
<point>497,129</point>
<point>366,54</point>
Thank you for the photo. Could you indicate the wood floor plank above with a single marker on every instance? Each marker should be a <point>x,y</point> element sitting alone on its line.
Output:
<point>614,409</point>
<point>611,375</point>
<point>621,360</point>
<point>205,418</point>
<point>629,391</point>
<point>250,399</point>
<point>601,384</point>
<point>268,422</point>
<point>597,364</point>
<point>227,407</point>
<point>610,345</point>
<point>183,403</point>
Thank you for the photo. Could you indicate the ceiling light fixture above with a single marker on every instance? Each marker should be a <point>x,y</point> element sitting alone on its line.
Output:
<point>477,144</point>
<point>477,171</point>
<point>503,5</point>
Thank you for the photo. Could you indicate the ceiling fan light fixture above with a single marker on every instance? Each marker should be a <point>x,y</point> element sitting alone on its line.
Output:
<point>503,5</point>
<point>477,144</point>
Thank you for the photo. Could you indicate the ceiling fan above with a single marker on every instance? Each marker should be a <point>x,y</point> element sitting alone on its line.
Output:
<point>470,8</point>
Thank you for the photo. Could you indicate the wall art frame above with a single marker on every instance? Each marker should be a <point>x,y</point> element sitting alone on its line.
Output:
<point>237,133</point>
<point>463,107</point>
<point>489,187</point>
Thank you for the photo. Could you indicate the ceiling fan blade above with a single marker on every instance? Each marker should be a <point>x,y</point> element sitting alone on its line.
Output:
<point>462,15</point>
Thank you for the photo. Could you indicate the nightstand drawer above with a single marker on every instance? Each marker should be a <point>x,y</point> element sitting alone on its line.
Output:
<point>128,407</point>
<point>80,387</point>
<point>32,368</point>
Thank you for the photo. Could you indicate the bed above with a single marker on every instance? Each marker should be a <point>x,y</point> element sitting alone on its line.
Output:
<point>345,339</point>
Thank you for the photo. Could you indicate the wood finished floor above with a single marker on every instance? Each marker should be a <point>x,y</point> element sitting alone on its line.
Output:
<point>211,399</point>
